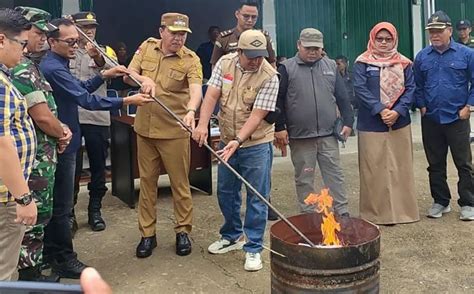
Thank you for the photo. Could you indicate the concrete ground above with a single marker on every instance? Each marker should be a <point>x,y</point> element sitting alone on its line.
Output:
<point>430,256</point>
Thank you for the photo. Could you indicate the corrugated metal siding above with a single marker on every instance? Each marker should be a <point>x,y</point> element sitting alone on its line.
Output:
<point>336,19</point>
<point>457,9</point>
<point>454,8</point>
<point>362,15</point>
<point>294,15</point>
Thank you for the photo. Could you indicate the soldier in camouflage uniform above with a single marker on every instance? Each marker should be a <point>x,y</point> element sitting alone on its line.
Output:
<point>51,135</point>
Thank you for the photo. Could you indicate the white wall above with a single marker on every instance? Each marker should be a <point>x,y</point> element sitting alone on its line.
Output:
<point>269,21</point>
<point>418,26</point>
<point>70,7</point>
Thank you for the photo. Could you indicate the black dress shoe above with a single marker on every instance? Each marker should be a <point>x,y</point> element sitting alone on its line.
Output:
<point>146,246</point>
<point>34,274</point>
<point>96,222</point>
<point>70,269</point>
<point>183,244</point>
<point>73,225</point>
<point>272,216</point>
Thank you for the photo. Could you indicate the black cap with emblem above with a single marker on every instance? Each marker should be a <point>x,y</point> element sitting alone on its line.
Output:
<point>85,18</point>
<point>463,24</point>
<point>438,20</point>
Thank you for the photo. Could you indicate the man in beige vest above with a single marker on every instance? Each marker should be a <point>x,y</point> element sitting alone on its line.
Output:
<point>246,86</point>
<point>174,73</point>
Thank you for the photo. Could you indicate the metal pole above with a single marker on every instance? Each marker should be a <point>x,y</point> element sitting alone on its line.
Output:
<point>170,112</point>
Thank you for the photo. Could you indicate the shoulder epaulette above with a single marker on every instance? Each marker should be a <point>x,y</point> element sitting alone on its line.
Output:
<point>152,40</point>
<point>226,33</point>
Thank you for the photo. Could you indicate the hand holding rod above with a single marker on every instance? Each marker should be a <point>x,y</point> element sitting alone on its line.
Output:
<point>187,128</point>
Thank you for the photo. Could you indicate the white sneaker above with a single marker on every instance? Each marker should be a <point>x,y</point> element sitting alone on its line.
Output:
<point>467,213</point>
<point>253,262</point>
<point>437,210</point>
<point>223,246</point>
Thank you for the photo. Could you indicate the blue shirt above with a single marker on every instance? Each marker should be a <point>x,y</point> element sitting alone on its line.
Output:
<point>442,81</point>
<point>366,79</point>
<point>69,92</point>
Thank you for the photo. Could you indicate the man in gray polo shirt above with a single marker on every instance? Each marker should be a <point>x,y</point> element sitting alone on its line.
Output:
<point>311,94</point>
<point>94,124</point>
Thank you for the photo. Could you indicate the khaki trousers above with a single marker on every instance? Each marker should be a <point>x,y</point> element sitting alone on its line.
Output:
<point>11,235</point>
<point>174,155</point>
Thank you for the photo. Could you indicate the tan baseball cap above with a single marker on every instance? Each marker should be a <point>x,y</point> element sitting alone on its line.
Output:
<point>176,22</point>
<point>253,43</point>
<point>310,37</point>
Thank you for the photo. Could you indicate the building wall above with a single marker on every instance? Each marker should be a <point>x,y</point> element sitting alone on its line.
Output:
<point>134,21</point>
<point>269,20</point>
<point>457,10</point>
<point>70,7</point>
<point>345,23</point>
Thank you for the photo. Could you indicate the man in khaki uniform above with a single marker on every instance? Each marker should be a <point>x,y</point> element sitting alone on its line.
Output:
<point>226,42</point>
<point>246,86</point>
<point>173,73</point>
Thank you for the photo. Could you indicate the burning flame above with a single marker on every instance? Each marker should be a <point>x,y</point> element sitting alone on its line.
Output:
<point>329,225</point>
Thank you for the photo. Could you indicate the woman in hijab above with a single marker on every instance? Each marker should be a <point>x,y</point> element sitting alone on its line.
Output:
<point>384,86</point>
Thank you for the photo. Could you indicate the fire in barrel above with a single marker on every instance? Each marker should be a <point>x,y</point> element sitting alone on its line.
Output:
<point>345,259</point>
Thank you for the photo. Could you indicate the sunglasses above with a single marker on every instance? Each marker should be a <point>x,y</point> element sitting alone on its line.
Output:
<point>23,44</point>
<point>247,16</point>
<point>381,40</point>
<point>70,43</point>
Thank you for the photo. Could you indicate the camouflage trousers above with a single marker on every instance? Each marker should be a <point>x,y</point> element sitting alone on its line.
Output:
<point>31,253</point>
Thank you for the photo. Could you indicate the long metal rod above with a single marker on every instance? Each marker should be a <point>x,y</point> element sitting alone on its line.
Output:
<point>170,112</point>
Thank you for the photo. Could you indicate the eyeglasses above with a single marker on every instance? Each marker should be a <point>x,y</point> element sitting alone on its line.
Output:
<point>381,39</point>
<point>248,16</point>
<point>23,44</point>
<point>70,43</point>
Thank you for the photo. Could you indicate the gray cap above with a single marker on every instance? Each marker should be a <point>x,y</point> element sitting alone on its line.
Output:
<point>310,37</point>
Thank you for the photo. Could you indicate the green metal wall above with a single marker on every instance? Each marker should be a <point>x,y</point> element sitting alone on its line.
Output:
<point>294,15</point>
<point>457,9</point>
<point>345,23</point>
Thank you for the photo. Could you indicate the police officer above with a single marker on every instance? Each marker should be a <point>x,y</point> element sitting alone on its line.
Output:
<point>174,73</point>
<point>94,124</point>
<point>42,108</point>
<point>464,33</point>
<point>227,42</point>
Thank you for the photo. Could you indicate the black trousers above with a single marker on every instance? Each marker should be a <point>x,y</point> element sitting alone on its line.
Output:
<point>97,144</point>
<point>57,234</point>
<point>436,140</point>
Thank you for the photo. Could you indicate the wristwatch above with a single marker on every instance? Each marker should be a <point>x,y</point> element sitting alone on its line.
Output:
<point>240,141</point>
<point>24,199</point>
<point>101,74</point>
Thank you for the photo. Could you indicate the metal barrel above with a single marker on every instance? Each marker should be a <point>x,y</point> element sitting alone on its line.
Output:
<point>352,268</point>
